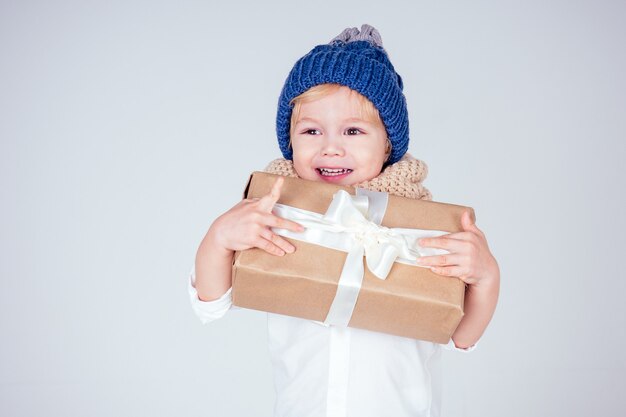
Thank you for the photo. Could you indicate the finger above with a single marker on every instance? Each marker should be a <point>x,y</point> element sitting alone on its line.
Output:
<point>267,201</point>
<point>468,224</point>
<point>450,271</point>
<point>442,242</point>
<point>463,236</point>
<point>440,260</point>
<point>268,246</point>
<point>278,241</point>
<point>466,221</point>
<point>272,220</point>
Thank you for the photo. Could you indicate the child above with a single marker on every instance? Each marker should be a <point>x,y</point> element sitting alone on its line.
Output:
<point>342,118</point>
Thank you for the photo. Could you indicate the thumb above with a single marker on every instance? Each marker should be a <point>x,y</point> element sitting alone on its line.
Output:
<point>266,203</point>
<point>466,220</point>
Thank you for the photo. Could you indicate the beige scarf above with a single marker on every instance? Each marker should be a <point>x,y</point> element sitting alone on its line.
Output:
<point>404,178</point>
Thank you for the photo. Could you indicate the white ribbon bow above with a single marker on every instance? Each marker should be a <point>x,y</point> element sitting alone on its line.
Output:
<point>352,224</point>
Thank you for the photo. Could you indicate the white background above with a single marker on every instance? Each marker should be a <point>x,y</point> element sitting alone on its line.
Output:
<point>127,127</point>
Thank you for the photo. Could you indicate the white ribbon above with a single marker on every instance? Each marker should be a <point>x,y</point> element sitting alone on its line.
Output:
<point>352,224</point>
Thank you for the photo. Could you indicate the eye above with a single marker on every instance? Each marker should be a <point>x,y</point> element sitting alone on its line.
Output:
<point>354,131</point>
<point>310,132</point>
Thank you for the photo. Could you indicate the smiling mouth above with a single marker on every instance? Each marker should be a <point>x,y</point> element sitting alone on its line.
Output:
<point>331,172</point>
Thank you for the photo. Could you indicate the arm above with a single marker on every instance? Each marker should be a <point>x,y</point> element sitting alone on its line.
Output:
<point>480,304</point>
<point>470,260</point>
<point>213,268</point>
<point>208,311</point>
<point>246,225</point>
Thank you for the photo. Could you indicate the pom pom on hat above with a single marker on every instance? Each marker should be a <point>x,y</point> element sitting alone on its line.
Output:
<point>355,59</point>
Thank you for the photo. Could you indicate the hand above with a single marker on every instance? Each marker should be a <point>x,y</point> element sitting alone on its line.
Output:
<point>469,258</point>
<point>247,225</point>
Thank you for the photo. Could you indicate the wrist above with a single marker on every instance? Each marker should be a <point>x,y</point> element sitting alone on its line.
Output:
<point>488,283</point>
<point>211,246</point>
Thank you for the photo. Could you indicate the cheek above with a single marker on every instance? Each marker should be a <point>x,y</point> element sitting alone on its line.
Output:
<point>374,170</point>
<point>372,154</point>
<point>375,162</point>
<point>299,148</point>
<point>302,163</point>
<point>380,153</point>
<point>302,152</point>
<point>298,164</point>
<point>297,156</point>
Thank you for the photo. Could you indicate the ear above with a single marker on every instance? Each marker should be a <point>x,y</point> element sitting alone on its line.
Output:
<point>388,150</point>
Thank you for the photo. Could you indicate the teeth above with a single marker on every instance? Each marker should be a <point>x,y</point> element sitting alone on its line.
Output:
<point>331,172</point>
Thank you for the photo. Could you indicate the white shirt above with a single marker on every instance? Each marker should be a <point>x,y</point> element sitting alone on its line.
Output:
<point>335,371</point>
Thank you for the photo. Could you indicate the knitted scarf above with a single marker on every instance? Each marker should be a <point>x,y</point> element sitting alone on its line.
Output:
<point>403,178</point>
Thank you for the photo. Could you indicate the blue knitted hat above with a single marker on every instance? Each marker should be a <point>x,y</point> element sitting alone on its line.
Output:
<point>358,61</point>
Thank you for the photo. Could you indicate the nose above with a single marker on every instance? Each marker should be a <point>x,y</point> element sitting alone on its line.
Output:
<point>332,145</point>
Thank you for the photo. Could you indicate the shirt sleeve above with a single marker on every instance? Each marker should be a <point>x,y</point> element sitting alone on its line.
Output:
<point>207,311</point>
<point>452,346</point>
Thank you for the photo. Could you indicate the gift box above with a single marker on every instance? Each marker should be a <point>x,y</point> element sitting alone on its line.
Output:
<point>354,264</point>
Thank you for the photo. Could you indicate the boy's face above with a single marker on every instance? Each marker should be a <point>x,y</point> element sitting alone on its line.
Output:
<point>331,134</point>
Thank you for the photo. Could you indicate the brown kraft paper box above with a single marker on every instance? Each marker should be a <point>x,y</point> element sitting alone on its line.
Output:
<point>411,302</point>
